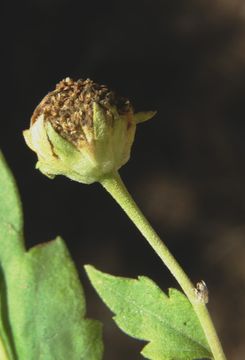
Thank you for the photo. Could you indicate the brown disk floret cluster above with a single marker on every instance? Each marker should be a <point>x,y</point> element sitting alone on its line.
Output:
<point>69,108</point>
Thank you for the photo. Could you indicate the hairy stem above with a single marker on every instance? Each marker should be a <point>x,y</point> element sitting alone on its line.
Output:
<point>114,185</point>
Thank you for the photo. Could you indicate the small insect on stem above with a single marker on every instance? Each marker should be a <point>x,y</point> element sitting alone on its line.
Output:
<point>201,292</point>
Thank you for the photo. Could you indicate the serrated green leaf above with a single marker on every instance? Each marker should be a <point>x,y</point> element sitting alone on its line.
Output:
<point>143,311</point>
<point>42,301</point>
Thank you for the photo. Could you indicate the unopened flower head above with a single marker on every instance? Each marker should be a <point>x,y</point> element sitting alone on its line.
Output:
<point>82,130</point>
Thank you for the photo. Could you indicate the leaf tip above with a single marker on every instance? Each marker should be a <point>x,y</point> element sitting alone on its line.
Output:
<point>90,270</point>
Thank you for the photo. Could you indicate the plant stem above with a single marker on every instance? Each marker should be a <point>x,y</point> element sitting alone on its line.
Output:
<point>115,186</point>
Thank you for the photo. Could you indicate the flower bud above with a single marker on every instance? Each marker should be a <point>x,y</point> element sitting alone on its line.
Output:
<point>82,130</point>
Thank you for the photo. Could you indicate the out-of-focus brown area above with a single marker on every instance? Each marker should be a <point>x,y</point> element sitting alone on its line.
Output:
<point>186,59</point>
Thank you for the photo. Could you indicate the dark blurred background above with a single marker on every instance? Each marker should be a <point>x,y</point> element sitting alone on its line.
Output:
<point>186,59</point>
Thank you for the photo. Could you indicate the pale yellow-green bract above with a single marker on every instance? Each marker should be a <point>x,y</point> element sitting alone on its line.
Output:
<point>105,150</point>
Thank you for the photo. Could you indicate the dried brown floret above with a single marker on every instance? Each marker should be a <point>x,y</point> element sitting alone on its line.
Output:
<point>69,107</point>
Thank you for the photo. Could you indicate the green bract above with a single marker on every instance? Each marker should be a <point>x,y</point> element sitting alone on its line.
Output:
<point>83,131</point>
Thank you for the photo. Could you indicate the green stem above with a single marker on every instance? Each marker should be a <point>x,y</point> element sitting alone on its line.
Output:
<point>114,185</point>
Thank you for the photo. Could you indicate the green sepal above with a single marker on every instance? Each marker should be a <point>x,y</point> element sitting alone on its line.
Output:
<point>143,116</point>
